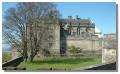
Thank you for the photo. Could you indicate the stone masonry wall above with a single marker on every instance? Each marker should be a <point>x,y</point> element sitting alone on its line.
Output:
<point>86,44</point>
<point>108,55</point>
<point>109,51</point>
<point>56,44</point>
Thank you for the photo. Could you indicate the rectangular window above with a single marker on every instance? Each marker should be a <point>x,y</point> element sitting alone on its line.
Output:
<point>74,34</point>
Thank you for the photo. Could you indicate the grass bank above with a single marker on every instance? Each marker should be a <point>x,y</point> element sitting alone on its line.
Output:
<point>59,63</point>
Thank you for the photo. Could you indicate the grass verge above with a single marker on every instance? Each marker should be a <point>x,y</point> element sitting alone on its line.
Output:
<point>60,63</point>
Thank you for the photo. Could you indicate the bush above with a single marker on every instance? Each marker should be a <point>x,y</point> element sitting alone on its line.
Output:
<point>46,52</point>
<point>74,49</point>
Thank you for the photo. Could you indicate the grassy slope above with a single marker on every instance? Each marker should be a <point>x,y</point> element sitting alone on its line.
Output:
<point>6,56</point>
<point>60,63</point>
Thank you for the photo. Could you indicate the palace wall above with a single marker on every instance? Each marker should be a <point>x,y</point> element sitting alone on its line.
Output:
<point>86,44</point>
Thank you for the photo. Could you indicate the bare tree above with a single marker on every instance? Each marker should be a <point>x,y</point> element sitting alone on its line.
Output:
<point>26,27</point>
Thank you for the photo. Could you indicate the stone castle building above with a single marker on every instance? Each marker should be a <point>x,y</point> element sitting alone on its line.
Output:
<point>79,33</point>
<point>83,34</point>
<point>74,32</point>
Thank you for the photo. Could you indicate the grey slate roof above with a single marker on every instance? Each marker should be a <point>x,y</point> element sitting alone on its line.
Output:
<point>76,22</point>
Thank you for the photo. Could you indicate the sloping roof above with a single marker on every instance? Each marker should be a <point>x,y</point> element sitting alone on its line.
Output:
<point>78,21</point>
<point>92,25</point>
<point>75,22</point>
<point>84,21</point>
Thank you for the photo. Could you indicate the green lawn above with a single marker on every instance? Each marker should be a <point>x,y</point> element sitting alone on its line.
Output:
<point>60,63</point>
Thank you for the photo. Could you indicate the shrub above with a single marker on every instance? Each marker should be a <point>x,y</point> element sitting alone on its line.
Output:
<point>74,49</point>
<point>46,52</point>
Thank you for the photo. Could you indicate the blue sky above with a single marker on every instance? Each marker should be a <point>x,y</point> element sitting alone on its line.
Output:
<point>102,14</point>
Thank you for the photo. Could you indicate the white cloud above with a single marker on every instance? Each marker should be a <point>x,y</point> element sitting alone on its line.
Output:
<point>98,32</point>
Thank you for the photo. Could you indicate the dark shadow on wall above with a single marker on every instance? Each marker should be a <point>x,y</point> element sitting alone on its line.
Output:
<point>63,44</point>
